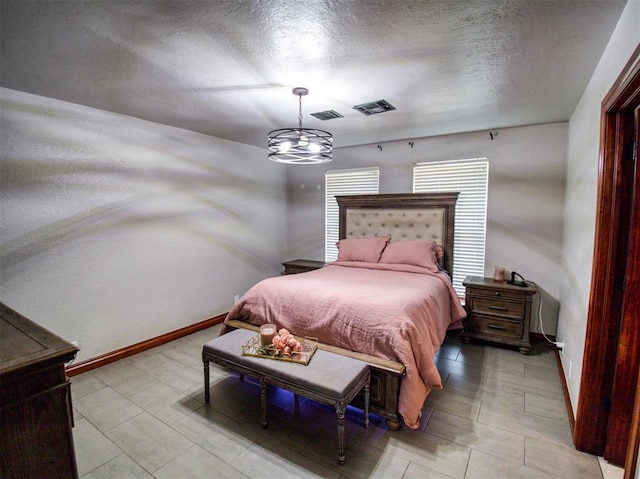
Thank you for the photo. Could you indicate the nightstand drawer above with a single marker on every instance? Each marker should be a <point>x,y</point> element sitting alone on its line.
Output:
<point>516,295</point>
<point>496,306</point>
<point>295,270</point>
<point>496,327</point>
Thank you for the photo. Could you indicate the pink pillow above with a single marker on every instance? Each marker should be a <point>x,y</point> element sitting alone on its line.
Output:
<point>362,249</point>
<point>423,253</point>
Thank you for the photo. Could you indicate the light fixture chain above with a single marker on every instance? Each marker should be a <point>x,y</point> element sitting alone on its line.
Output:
<point>300,111</point>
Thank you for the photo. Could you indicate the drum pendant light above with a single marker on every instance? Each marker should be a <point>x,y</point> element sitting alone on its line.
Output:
<point>300,146</point>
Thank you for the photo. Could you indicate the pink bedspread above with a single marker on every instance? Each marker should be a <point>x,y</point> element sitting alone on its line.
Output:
<point>397,312</point>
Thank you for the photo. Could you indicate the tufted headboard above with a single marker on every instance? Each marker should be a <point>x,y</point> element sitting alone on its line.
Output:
<point>402,216</point>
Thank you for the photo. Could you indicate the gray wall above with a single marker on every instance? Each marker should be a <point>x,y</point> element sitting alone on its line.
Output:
<point>525,201</point>
<point>582,182</point>
<point>115,230</point>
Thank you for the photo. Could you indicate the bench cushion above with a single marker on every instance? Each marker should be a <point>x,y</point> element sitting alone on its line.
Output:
<point>330,374</point>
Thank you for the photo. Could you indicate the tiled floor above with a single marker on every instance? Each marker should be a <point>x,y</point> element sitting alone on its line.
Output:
<point>500,415</point>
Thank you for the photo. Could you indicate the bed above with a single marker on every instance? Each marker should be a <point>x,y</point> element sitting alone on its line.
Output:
<point>386,300</point>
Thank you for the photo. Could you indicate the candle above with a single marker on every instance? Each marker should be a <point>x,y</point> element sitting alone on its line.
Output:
<point>267,332</point>
<point>498,273</point>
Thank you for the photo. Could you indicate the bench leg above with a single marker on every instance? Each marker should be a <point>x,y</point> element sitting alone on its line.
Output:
<point>263,401</point>
<point>340,412</point>
<point>206,382</point>
<point>367,395</point>
<point>296,405</point>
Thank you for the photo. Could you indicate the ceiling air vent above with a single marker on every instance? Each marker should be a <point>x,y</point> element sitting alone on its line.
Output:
<point>327,115</point>
<point>374,107</point>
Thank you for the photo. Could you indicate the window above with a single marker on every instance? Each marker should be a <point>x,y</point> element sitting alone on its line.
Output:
<point>360,181</point>
<point>469,178</point>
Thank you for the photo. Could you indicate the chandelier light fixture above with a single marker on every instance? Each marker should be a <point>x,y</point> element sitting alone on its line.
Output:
<point>300,146</point>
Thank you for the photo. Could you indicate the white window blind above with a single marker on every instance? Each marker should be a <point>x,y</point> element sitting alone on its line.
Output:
<point>360,181</point>
<point>469,178</point>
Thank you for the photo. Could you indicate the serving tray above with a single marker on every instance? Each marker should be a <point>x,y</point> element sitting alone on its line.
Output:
<point>254,348</point>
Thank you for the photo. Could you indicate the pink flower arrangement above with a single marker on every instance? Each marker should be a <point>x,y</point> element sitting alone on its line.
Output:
<point>285,343</point>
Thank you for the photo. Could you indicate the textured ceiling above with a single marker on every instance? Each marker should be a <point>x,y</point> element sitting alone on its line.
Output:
<point>226,68</point>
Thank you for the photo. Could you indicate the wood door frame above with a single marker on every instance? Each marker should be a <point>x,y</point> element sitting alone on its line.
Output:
<point>603,318</point>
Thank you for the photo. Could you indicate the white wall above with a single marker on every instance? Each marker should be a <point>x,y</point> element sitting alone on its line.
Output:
<point>580,208</point>
<point>525,203</point>
<point>115,230</point>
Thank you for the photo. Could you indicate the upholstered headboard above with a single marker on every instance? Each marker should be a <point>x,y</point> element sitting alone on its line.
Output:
<point>402,216</point>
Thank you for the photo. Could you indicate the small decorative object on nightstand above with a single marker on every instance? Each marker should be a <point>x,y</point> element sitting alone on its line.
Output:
<point>498,311</point>
<point>301,266</point>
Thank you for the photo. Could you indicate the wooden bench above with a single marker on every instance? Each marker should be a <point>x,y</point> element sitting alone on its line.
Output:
<point>328,378</point>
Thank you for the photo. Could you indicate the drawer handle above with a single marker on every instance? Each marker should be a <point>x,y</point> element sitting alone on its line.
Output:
<point>497,293</point>
<point>494,326</point>
<point>498,308</point>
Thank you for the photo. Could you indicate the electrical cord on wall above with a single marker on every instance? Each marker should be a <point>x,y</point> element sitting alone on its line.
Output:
<point>73,360</point>
<point>557,344</point>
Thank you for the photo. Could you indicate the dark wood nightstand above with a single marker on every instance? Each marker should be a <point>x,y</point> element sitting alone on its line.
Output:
<point>498,311</point>
<point>301,266</point>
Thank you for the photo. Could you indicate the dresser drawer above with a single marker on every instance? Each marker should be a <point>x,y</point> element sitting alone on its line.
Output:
<point>498,307</point>
<point>496,327</point>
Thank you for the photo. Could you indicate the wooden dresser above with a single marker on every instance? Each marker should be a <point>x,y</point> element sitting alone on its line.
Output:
<point>301,266</point>
<point>498,311</point>
<point>35,401</point>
